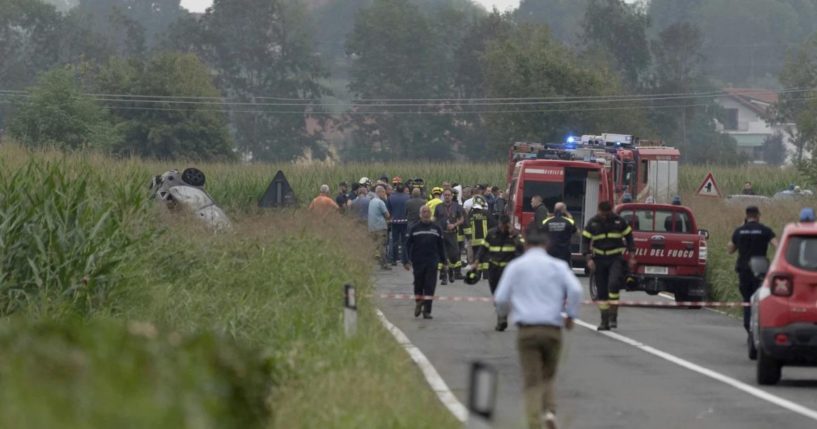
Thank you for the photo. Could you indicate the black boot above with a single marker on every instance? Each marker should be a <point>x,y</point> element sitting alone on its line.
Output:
<point>458,274</point>
<point>443,277</point>
<point>501,323</point>
<point>605,321</point>
<point>450,275</point>
<point>613,316</point>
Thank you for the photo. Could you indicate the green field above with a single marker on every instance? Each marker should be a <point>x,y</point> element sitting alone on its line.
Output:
<point>117,314</point>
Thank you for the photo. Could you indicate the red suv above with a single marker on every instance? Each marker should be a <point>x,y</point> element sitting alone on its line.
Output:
<point>784,308</point>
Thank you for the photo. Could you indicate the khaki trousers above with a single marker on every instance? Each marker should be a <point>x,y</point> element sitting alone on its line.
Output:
<point>539,348</point>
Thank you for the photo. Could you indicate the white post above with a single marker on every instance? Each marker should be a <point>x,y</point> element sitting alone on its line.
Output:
<point>481,396</point>
<point>349,310</point>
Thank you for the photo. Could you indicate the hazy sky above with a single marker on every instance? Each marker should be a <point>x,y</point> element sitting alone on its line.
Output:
<point>200,5</point>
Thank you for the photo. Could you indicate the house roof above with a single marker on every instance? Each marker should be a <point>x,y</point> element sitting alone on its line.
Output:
<point>756,99</point>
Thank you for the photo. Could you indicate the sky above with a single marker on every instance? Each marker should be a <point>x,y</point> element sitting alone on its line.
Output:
<point>502,5</point>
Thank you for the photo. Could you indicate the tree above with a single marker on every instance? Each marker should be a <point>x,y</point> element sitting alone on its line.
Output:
<point>774,151</point>
<point>562,17</point>
<point>617,31</point>
<point>57,114</point>
<point>529,63</point>
<point>127,20</point>
<point>799,107</point>
<point>171,123</point>
<point>400,54</point>
<point>262,55</point>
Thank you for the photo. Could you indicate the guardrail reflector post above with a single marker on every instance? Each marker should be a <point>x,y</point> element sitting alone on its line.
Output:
<point>481,395</point>
<point>349,310</point>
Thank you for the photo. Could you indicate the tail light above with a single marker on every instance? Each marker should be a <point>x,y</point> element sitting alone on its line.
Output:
<point>781,284</point>
<point>702,252</point>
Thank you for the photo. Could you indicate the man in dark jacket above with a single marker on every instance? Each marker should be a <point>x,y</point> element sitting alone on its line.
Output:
<point>424,250</point>
<point>499,248</point>
<point>540,212</point>
<point>396,205</point>
<point>560,229</point>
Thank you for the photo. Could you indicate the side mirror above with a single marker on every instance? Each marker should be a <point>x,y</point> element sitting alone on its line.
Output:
<point>759,266</point>
<point>704,232</point>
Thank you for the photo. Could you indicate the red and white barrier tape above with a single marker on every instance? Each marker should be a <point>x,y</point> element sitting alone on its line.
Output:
<point>622,303</point>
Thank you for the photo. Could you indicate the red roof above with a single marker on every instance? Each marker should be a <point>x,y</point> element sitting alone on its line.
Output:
<point>757,99</point>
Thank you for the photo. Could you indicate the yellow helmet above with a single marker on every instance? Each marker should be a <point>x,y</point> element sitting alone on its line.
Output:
<point>437,190</point>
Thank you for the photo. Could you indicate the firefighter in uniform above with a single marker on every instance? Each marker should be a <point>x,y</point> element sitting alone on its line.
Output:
<point>500,247</point>
<point>604,239</point>
<point>479,222</point>
<point>560,229</point>
<point>434,200</point>
<point>449,216</point>
<point>424,251</point>
<point>463,230</point>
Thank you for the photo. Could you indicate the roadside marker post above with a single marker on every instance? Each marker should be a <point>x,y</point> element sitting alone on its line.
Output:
<point>349,310</point>
<point>481,396</point>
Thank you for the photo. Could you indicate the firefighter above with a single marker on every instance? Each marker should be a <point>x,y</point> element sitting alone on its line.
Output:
<point>479,222</point>
<point>464,230</point>
<point>604,239</point>
<point>560,229</point>
<point>435,200</point>
<point>449,216</point>
<point>424,251</point>
<point>500,247</point>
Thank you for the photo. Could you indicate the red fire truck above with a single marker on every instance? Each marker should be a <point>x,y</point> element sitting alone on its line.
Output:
<point>583,172</point>
<point>556,173</point>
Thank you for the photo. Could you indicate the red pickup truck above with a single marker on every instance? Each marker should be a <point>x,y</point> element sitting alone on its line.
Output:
<point>670,250</point>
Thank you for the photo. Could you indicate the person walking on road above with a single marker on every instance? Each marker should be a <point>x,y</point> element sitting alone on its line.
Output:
<point>424,251</point>
<point>399,222</point>
<point>749,240</point>
<point>379,224</point>
<point>323,203</point>
<point>604,239</point>
<point>540,212</point>
<point>535,289</point>
<point>449,216</point>
<point>500,247</point>
<point>560,229</point>
<point>413,207</point>
<point>360,206</point>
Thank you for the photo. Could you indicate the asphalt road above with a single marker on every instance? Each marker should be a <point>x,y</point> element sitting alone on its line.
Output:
<point>603,382</point>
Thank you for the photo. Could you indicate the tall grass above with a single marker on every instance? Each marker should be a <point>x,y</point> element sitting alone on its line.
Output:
<point>123,315</point>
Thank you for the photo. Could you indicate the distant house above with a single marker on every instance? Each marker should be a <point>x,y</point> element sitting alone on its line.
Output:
<point>745,120</point>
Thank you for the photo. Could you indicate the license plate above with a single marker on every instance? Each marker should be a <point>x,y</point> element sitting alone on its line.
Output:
<point>656,270</point>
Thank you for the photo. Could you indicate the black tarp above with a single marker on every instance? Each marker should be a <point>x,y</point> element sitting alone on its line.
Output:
<point>278,193</point>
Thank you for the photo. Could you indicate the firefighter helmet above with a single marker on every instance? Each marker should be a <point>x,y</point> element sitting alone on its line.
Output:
<point>472,276</point>
<point>436,190</point>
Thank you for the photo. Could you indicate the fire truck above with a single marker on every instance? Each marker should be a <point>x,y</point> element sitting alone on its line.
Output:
<point>643,168</point>
<point>581,172</point>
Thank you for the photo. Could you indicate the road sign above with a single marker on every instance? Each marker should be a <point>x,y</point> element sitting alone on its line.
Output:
<point>278,194</point>
<point>709,188</point>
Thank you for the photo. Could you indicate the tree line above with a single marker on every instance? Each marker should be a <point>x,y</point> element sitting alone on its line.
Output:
<point>277,80</point>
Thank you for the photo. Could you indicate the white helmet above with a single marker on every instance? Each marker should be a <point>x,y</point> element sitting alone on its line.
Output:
<point>364,181</point>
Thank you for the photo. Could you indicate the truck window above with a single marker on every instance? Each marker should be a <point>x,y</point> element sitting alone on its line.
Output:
<point>551,193</point>
<point>662,221</point>
<point>802,252</point>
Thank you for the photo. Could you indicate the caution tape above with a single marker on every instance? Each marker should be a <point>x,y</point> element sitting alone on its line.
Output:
<point>622,303</point>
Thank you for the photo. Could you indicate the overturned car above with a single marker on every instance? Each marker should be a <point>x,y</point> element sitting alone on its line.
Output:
<point>186,191</point>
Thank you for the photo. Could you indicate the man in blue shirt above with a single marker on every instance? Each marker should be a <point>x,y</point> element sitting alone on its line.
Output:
<point>535,289</point>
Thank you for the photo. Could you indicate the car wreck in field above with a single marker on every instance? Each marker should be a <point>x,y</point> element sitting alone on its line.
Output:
<point>185,191</point>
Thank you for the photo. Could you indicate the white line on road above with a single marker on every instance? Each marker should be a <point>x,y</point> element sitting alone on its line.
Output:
<point>754,391</point>
<point>433,378</point>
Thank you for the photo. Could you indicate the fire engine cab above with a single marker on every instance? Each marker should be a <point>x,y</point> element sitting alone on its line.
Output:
<point>556,172</point>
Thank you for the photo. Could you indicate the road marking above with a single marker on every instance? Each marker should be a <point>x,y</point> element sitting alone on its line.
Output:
<point>433,378</point>
<point>754,391</point>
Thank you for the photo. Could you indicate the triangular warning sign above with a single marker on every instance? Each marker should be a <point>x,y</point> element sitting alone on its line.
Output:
<point>278,194</point>
<point>709,188</point>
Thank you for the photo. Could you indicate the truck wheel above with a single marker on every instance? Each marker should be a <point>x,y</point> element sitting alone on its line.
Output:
<point>769,369</point>
<point>594,290</point>
<point>751,347</point>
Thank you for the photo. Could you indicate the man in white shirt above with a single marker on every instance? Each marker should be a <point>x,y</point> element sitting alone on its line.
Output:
<point>535,289</point>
